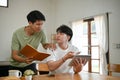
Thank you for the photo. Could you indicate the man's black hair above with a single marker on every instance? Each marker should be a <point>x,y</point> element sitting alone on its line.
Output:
<point>65,29</point>
<point>35,15</point>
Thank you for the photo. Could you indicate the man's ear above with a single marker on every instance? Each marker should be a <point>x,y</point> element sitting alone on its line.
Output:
<point>30,22</point>
<point>68,37</point>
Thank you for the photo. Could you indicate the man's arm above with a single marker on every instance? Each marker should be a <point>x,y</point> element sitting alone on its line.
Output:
<point>49,45</point>
<point>20,59</point>
<point>53,65</point>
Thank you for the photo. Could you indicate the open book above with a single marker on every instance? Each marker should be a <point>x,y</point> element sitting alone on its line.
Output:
<point>87,57</point>
<point>29,52</point>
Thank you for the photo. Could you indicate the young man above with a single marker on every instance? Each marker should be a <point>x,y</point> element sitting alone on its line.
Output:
<point>60,58</point>
<point>31,34</point>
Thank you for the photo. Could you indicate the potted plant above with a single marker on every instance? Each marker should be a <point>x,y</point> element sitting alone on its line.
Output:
<point>28,74</point>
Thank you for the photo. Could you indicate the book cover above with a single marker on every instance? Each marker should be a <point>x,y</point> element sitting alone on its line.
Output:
<point>29,52</point>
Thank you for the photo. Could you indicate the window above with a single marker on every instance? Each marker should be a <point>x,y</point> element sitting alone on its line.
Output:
<point>4,3</point>
<point>85,38</point>
<point>91,36</point>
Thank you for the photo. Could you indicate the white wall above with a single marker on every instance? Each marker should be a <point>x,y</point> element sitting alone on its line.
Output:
<point>14,17</point>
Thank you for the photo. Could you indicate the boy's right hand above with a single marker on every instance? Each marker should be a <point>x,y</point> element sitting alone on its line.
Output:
<point>68,55</point>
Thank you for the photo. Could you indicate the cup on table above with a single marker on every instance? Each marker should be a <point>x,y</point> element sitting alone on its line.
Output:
<point>28,77</point>
<point>15,73</point>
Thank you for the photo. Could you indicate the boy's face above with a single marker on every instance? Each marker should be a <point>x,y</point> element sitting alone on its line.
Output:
<point>36,26</point>
<point>62,37</point>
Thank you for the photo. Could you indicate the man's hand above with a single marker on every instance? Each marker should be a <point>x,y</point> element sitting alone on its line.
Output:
<point>78,64</point>
<point>68,55</point>
<point>84,61</point>
<point>49,45</point>
<point>28,60</point>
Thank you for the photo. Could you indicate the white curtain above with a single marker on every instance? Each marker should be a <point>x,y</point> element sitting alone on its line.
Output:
<point>102,33</point>
<point>77,28</point>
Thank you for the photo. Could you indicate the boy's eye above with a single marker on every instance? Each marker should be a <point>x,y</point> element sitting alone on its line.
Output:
<point>60,33</point>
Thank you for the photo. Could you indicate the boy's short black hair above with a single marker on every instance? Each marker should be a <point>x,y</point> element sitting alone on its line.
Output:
<point>35,15</point>
<point>65,29</point>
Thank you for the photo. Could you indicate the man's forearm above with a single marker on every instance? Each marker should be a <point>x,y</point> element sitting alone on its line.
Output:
<point>53,65</point>
<point>19,59</point>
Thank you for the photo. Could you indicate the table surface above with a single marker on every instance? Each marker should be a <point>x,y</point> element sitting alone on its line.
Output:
<point>70,76</point>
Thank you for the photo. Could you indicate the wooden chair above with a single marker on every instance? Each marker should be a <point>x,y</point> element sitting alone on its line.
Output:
<point>113,68</point>
<point>42,68</point>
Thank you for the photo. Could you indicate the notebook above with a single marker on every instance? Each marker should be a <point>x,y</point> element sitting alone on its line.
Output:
<point>29,52</point>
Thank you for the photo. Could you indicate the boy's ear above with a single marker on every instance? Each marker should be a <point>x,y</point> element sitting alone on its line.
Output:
<point>68,37</point>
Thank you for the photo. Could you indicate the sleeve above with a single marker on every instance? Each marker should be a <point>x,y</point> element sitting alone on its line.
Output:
<point>15,43</point>
<point>44,38</point>
<point>52,55</point>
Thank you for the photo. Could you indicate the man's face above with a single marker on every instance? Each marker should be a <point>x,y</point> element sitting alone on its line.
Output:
<point>62,37</point>
<point>36,26</point>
